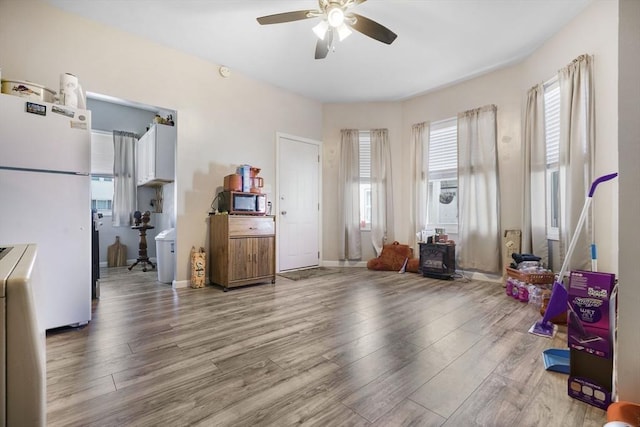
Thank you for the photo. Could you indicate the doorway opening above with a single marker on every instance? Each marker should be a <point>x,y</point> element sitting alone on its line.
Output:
<point>157,196</point>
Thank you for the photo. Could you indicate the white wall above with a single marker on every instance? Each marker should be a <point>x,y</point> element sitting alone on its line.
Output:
<point>629,232</point>
<point>222,122</point>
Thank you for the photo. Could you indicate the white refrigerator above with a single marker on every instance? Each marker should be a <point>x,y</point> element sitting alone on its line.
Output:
<point>45,198</point>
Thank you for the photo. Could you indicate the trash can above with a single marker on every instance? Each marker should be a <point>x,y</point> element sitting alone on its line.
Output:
<point>165,252</point>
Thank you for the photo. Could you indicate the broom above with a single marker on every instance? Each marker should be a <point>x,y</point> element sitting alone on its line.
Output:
<point>559,295</point>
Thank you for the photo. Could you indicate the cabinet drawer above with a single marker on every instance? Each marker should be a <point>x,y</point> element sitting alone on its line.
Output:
<point>251,226</point>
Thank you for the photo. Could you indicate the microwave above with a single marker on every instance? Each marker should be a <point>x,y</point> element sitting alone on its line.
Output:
<point>239,203</point>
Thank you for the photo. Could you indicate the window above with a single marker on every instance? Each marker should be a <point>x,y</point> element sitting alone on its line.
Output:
<point>365,180</point>
<point>101,194</point>
<point>552,150</point>
<point>101,172</point>
<point>442,158</point>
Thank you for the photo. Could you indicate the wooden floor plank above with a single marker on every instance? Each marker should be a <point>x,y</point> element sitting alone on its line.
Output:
<point>381,395</point>
<point>446,391</point>
<point>72,394</point>
<point>497,402</point>
<point>354,347</point>
<point>409,413</point>
<point>329,413</point>
<point>351,378</point>
<point>543,409</point>
<point>255,408</point>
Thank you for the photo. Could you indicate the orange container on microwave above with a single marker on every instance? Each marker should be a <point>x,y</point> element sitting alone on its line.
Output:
<point>233,182</point>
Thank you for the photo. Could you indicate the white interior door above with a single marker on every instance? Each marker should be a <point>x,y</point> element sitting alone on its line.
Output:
<point>298,202</point>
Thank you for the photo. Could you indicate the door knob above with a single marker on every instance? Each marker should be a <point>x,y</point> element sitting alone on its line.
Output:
<point>283,212</point>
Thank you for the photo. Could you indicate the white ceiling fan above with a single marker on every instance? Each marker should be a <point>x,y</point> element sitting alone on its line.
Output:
<point>336,20</point>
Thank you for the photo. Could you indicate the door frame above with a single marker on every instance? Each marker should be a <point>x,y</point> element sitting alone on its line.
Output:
<point>276,204</point>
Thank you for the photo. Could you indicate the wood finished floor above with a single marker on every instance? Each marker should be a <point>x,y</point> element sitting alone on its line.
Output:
<point>352,348</point>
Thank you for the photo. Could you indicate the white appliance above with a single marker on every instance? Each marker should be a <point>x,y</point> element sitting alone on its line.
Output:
<point>45,198</point>
<point>23,357</point>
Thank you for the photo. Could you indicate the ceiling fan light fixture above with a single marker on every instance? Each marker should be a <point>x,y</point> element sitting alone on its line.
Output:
<point>320,30</point>
<point>335,16</point>
<point>343,32</point>
<point>337,22</point>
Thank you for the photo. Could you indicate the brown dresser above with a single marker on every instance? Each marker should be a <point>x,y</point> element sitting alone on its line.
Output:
<point>241,250</point>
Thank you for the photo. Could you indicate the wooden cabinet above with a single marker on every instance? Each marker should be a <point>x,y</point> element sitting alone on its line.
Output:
<point>155,155</point>
<point>241,250</point>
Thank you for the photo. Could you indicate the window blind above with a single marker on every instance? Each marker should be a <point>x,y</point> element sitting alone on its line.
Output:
<point>552,122</point>
<point>101,153</point>
<point>365,154</point>
<point>443,149</point>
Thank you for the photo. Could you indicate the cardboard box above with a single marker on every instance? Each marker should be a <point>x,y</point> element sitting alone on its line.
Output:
<point>590,310</point>
<point>512,242</point>
<point>591,322</point>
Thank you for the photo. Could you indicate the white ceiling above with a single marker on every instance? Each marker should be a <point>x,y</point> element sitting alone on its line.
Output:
<point>439,42</point>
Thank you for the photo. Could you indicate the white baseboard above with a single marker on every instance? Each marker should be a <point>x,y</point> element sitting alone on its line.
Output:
<point>180,284</point>
<point>484,277</point>
<point>343,263</point>
<point>473,275</point>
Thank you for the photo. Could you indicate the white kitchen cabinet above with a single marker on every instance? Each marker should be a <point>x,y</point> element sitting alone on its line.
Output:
<point>156,152</point>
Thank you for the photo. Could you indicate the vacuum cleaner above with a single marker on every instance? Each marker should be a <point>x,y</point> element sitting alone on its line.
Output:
<point>559,296</point>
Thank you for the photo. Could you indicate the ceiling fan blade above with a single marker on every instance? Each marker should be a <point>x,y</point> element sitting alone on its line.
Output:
<point>322,47</point>
<point>372,29</point>
<point>279,18</point>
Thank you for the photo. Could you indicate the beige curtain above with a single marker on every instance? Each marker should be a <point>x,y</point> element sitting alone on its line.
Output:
<point>479,204</point>
<point>419,181</point>
<point>534,233</point>
<point>349,244</point>
<point>381,190</point>
<point>124,178</point>
<point>576,155</point>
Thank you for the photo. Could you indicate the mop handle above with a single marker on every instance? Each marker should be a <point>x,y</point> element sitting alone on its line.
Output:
<point>574,239</point>
<point>603,178</point>
<point>583,216</point>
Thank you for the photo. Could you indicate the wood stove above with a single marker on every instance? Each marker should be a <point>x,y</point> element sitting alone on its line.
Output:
<point>438,260</point>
